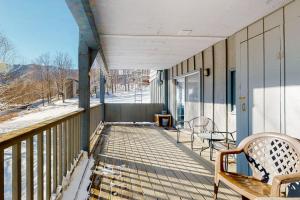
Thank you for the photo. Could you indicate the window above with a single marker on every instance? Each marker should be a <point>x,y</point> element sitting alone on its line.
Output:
<point>232,91</point>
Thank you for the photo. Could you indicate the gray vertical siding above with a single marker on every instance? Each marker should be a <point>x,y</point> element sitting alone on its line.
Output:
<point>231,66</point>
<point>256,84</point>
<point>266,58</point>
<point>208,83</point>
<point>292,68</point>
<point>220,90</point>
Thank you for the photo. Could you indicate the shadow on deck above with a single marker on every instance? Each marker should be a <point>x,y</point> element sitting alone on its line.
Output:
<point>145,162</point>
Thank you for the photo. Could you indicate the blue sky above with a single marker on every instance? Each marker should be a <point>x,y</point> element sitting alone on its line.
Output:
<point>39,26</point>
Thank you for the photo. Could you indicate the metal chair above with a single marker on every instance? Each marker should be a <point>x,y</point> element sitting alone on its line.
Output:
<point>205,129</point>
<point>275,162</point>
<point>183,127</point>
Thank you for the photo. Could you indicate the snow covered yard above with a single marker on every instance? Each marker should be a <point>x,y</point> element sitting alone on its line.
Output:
<point>128,97</point>
<point>42,113</point>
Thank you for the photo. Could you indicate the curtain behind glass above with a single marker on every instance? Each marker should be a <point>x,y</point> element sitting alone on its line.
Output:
<point>192,103</point>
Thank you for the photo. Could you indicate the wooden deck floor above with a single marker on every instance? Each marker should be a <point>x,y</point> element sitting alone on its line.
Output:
<point>149,164</point>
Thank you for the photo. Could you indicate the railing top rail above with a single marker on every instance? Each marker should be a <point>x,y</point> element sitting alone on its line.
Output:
<point>95,106</point>
<point>10,138</point>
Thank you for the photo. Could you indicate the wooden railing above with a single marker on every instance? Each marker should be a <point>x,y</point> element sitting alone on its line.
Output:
<point>61,136</point>
<point>96,116</point>
<point>131,112</point>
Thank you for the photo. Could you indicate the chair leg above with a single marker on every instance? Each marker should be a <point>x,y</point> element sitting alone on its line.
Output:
<point>216,189</point>
<point>211,151</point>
<point>192,141</point>
<point>178,134</point>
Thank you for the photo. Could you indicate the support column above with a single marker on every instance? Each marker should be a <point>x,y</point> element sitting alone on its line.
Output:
<point>166,90</point>
<point>102,86</point>
<point>84,93</point>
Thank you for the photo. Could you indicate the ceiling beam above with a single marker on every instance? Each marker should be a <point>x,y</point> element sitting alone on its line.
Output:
<point>83,15</point>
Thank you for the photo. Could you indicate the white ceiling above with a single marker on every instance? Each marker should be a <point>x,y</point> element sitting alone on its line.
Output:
<point>161,33</point>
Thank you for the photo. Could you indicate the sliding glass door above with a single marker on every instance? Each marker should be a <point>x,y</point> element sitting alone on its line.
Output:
<point>192,97</point>
<point>180,99</point>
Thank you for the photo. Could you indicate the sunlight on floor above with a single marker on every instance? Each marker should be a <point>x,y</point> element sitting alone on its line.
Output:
<point>145,162</point>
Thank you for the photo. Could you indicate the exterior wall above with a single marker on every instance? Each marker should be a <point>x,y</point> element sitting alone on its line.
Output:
<point>231,66</point>
<point>185,67</point>
<point>292,69</point>
<point>191,64</point>
<point>220,89</point>
<point>208,83</point>
<point>268,68</point>
<point>265,56</point>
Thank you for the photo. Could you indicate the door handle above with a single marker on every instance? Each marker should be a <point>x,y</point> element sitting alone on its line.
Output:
<point>244,107</point>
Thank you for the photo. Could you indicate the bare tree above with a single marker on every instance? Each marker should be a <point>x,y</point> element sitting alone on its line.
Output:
<point>43,62</point>
<point>63,64</point>
<point>7,53</point>
<point>7,50</point>
<point>94,79</point>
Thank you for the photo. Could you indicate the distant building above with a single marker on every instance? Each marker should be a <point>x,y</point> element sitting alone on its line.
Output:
<point>71,88</point>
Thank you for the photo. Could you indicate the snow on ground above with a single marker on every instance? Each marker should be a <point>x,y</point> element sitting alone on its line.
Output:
<point>80,180</point>
<point>42,113</point>
<point>128,97</point>
<point>25,119</point>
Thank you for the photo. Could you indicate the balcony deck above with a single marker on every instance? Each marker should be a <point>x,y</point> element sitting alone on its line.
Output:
<point>154,167</point>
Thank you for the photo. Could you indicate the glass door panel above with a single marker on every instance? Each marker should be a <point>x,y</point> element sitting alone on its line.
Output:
<point>180,99</point>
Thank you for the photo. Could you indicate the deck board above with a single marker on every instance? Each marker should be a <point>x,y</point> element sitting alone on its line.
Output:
<point>153,166</point>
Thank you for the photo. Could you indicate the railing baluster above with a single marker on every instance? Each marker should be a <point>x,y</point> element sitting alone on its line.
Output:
<point>71,140</point>
<point>59,152</point>
<point>74,138</point>
<point>1,174</point>
<point>61,149</point>
<point>29,168</point>
<point>65,148</point>
<point>16,171</point>
<point>79,128</point>
<point>69,144</point>
<point>54,147</point>
<point>40,155</point>
<point>48,164</point>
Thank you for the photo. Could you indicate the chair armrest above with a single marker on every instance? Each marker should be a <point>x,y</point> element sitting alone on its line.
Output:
<point>220,158</point>
<point>283,179</point>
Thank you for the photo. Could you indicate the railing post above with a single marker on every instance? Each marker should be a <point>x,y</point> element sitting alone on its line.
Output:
<point>16,171</point>
<point>29,168</point>
<point>85,62</point>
